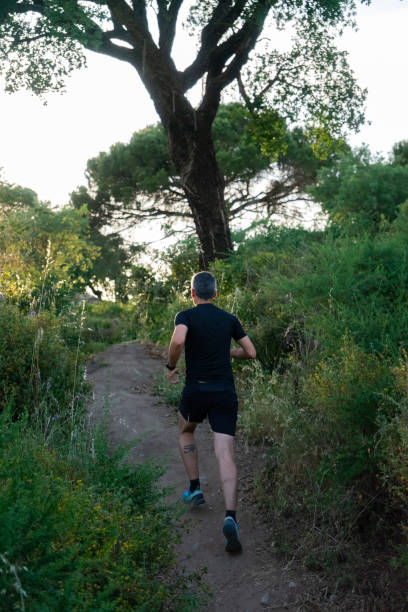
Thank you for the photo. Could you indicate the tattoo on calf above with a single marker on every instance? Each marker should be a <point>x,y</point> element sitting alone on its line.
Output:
<point>189,448</point>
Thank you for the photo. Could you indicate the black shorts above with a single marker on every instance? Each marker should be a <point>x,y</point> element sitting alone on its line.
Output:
<point>217,401</point>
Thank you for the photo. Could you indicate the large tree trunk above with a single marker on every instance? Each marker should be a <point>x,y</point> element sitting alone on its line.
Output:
<point>204,189</point>
<point>206,201</point>
<point>193,154</point>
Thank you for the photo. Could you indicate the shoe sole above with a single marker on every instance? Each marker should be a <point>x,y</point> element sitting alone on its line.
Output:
<point>233,544</point>
<point>197,500</point>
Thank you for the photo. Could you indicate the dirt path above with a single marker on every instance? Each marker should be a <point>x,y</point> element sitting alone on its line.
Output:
<point>122,377</point>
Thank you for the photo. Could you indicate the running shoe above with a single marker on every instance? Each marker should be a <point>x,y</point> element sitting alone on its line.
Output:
<point>196,498</point>
<point>231,533</point>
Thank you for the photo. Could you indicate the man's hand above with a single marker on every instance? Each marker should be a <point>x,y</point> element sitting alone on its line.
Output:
<point>246,350</point>
<point>172,376</point>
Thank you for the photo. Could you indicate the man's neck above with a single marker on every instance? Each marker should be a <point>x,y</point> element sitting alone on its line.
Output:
<point>198,301</point>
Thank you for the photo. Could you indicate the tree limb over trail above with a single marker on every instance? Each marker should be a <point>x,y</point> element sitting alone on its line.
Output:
<point>42,41</point>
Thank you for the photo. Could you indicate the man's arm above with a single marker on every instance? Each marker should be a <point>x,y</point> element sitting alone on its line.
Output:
<point>175,349</point>
<point>246,350</point>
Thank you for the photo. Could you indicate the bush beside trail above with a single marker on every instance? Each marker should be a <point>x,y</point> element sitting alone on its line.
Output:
<point>71,541</point>
<point>82,529</point>
<point>328,396</point>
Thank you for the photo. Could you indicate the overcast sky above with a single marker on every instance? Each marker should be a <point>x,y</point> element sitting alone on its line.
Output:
<point>46,147</point>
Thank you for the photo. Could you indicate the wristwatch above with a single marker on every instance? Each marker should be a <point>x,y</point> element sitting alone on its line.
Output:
<point>168,366</point>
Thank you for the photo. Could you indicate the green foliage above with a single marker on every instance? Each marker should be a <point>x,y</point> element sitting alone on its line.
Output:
<point>14,197</point>
<point>311,84</point>
<point>269,130</point>
<point>39,371</point>
<point>182,260</point>
<point>400,153</point>
<point>359,192</point>
<point>81,535</point>
<point>233,130</point>
<point>44,254</point>
<point>393,441</point>
<point>138,181</point>
<point>308,151</point>
<point>333,410</point>
<point>128,177</point>
<point>249,285</point>
<point>349,391</point>
<point>81,527</point>
<point>169,392</point>
<point>357,287</point>
<point>105,323</point>
<point>48,255</point>
<point>144,163</point>
<point>38,54</point>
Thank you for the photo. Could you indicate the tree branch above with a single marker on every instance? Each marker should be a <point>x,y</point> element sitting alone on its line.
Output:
<point>139,11</point>
<point>107,47</point>
<point>238,45</point>
<point>19,41</point>
<point>149,213</point>
<point>119,33</point>
<point>244,95</point>
<point>155,68</point>
<point>223,17</point>
<point>135,21</point>
<point>167,20</point>
<point>37,7</point>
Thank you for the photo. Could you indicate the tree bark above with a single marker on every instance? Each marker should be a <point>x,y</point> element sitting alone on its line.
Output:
<point>196,164</point>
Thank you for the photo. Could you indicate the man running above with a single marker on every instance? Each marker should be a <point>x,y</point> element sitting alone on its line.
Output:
<point>206,332</point>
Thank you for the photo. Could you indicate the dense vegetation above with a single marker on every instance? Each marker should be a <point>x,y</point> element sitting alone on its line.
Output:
<point>81,529</point>
<point>327,398</point>
<point>326,309</point>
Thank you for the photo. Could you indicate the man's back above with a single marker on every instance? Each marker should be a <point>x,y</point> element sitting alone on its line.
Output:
<point>206,332</point>
<point>208,342</point>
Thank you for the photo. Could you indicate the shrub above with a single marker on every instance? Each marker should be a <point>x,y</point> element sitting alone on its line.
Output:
<point>83,534</point>
<point>349,390</point>
<point>37,368</point>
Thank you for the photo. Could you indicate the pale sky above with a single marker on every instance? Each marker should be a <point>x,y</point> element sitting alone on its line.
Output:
<point>46,147</point>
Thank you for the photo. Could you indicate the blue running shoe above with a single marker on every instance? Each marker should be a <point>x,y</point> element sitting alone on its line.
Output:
<point>196,498</point>
<point>231,533</point>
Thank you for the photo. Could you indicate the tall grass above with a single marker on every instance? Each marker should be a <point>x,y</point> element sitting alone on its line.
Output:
<point>327,397</point>
<point>82,529</point>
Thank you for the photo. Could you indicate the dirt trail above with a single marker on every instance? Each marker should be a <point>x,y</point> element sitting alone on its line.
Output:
<point>122,377</point>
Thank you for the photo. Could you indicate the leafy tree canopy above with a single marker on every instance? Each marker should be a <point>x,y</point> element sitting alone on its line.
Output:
<point>361,191</point>
<point>137,181</point>
<point>43,41</point>
<point>400,153</point>
<point>59,251</point>
<point>311,84</point>
<point>14,197</point>
<point>45,252</point>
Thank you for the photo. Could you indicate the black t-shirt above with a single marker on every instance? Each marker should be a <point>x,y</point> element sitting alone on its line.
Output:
<point>208,342</point>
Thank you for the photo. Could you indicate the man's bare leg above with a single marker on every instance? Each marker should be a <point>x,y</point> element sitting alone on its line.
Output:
<point>224,451</point>
<point>188,448</point>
